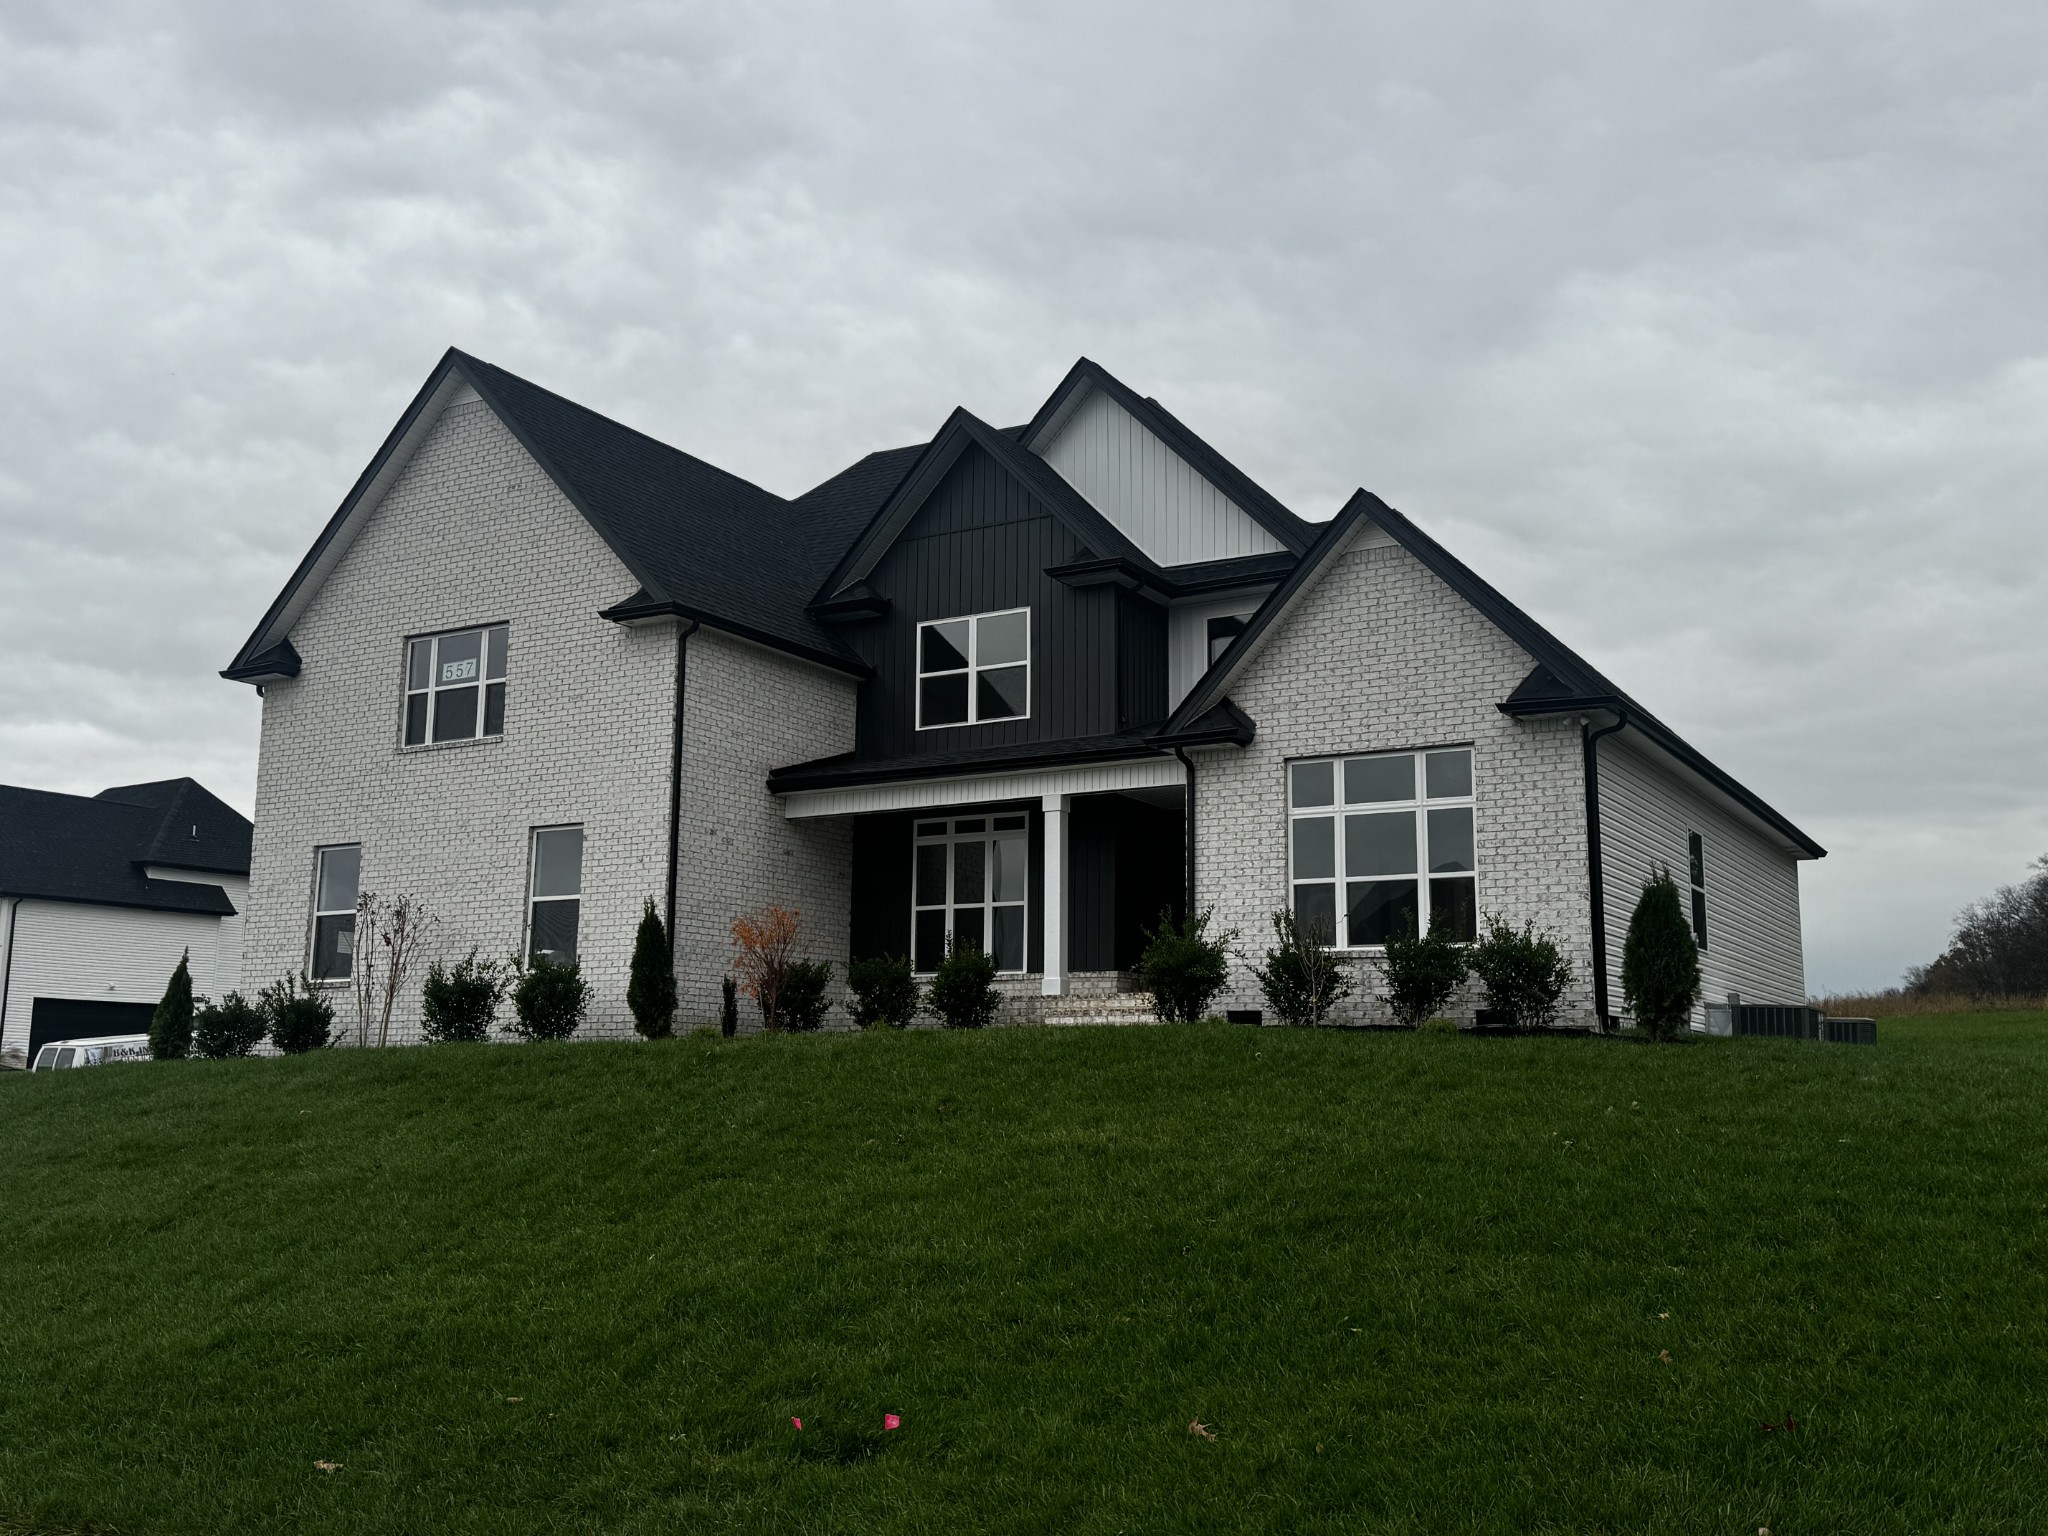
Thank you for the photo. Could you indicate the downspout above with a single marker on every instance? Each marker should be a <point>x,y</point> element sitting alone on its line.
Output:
<point>1189,819</point>
<point>7,971</point>
<point>684,629</point>
<point>1590,741</point>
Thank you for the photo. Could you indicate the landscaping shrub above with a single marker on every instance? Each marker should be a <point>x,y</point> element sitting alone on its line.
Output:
<point>963,992</point>
<point>1422,973</point>
<point>1183,968</point>
<point>461,1004</point>
<point>882,990</point>
<point>170,1027</point>
<point>1523,972</point>
<point>1660,961</point>
<point>231,1027</point>
<point>651,987</point>
<point>802,1002</point>
<point>766,941</point>
<point>1301,978</point>
<point>729,1010</point>
<point>299,1016</point>
<point>1437,1027</point>
<point>549,1001</point>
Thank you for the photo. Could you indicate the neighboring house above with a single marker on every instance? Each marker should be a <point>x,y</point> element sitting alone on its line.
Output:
<point>98,899</point>
<point>1023,687</point>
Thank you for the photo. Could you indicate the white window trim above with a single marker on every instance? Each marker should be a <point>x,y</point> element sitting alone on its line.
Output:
<point>533,837</point>
<point>973,669</point>
<point>952,838</point>
<point>313,929</point>
<point>432,692</point>
<point>1420,806</point>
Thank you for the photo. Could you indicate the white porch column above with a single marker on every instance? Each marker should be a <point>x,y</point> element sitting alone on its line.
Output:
<point>1055,984</point>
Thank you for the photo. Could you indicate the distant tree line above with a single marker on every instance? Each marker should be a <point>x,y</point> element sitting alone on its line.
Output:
<point>2000,946</point>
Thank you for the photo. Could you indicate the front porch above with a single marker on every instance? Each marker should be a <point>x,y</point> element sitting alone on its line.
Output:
<point>1055,874</point>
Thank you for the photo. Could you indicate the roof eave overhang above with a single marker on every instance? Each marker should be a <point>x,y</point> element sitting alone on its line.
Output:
<point>644,608</point>
<point>785,781</point>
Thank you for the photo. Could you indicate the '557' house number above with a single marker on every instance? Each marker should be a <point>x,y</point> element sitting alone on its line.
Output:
<point>458,671</point>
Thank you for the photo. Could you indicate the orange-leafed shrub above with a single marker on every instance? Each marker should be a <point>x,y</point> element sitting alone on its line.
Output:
<point>765,946</point>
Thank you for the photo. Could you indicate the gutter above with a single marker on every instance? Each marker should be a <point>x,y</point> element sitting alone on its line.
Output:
<point>7,970</point>
<point>1590,741</point>
<point>675,781</point>
<point>1188,818</point>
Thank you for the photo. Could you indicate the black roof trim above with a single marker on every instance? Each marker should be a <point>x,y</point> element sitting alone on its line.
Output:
<point>1258,503</point>
<point>1092,572</point>
<point>279,661</point>
<point>1222,575</point>
<point>1225,724</point>
<point>857,602</point>
<point>845,770</point>
<point>643,606</point>
<point>961,429</point>
<point>1563,681</point>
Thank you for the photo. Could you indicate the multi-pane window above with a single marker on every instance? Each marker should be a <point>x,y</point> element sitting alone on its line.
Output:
<point>974,669</point>
<point>1698,852</point>
<point>455,686</point>
<point>337,873</point>
<point>556,899</point>
<point>971,882</point>
<point>1382,846</point>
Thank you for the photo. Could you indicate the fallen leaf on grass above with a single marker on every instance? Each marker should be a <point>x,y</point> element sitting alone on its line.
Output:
<point>1664,1355</point>
<point>328,1466</point>
<point>515,1399</point>
<point>1789,1427</point>
<point>1664,1317</point>
<point>799,1423</point>
<point>1197,1427</point>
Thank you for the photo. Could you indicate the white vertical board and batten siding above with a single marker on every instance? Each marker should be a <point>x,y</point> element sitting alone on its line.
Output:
<point>1155,497</point>
<point>1187,636</point>
<point>1753,938</point>
<point>71,949</point>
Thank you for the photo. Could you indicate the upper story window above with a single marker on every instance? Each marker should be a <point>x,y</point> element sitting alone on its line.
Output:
<point>555,902</point>
<point>1697,850</point>
<point>455,686</point>
<point>337,873</point>
<point>974,670</point>
<point>1384,844</point>
<point>1221,632</point>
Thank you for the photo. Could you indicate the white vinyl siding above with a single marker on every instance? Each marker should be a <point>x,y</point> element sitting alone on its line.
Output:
<point>1154,496</point>
<point>1753,939</point>
<point>71,949</point>
<point>230,945</point>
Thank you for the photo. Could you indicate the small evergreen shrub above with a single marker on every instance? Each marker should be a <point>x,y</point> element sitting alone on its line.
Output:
<point>549,1001</point>
<point>1301,978</point>
<point>1523,972</point>
<point>729,1009</point>
<point>233,1026</point>
<point>1183,968</point>
<point>651,989</point>
<point>1660,961</point>
<point>462,1004</point>
<point>802,1002</point>
<point>170,1027</point>
<point>1422,973</point>
<point>963,991</point>
<point>881,990</point>
<point>298,1014</point>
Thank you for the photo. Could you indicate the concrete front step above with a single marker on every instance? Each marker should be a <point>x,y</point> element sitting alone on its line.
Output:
<point>1120,1008</point>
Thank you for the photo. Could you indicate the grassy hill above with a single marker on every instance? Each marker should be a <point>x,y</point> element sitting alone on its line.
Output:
<point>1407,1283</point>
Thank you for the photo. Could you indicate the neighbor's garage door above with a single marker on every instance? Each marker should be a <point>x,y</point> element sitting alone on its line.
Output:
<point>66,1018</point>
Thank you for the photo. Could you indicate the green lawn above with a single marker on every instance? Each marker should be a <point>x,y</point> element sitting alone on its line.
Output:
<point>1409,1283</point>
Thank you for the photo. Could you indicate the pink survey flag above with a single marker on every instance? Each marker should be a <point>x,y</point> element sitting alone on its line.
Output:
<point>890,1421</point>
<point>799,1423</point>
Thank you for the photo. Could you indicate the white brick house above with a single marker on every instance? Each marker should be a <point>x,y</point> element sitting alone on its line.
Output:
<point>1015,688</point>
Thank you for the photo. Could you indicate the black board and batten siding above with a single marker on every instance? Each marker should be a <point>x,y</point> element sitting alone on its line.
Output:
<point>982,543</point>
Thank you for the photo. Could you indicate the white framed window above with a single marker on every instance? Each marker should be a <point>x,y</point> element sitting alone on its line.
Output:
<point>455,685</point>
<point>337,875</point>
<point>1381,843</point>
<point>970,886</point>
<point>1696,856</point>
<point>974,670</point>
<point>554,897</point>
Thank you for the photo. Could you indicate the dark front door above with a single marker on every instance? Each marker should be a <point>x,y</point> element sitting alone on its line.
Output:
<point>68,1018</point>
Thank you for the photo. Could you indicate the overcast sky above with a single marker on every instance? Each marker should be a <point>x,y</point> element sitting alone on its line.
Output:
<point>1714,335</point>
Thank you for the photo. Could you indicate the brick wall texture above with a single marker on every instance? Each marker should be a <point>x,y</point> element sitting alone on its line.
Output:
<point>474,532</point>
<point>1382,656</point>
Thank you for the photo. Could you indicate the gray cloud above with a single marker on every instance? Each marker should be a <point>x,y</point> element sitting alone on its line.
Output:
<point>1714,338</point>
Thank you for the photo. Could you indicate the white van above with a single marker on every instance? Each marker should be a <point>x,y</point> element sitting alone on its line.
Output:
<point>98,1051</point>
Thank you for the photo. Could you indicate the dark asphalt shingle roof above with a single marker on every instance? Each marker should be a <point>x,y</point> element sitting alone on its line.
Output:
<point>74,848</point>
